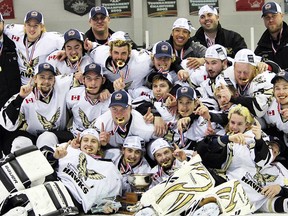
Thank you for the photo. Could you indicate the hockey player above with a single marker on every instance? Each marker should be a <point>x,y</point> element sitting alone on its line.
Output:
<point>75,60</point>
<point>129,160</point>
<point>254,88</point>
<point>243,155</point>
<point>84,105</point>
<point>84,176</point>
<point>37,108</point>
<point>122,65</point>
<point>122,121</point>
<point>276,116</point>
<point>33,43</point>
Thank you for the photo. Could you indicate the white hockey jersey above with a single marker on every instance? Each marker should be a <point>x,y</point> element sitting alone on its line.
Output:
<point>63,67</point>
<point>84,111</point>
<point>273,117</point>
<point>259,88</point>
<point>135,71</point>
<point>90,181</point>
<point>196,76</point>
<point>38,115</point>
<point>241,166</point>
<point>138,127</point>
<point>37,53</point>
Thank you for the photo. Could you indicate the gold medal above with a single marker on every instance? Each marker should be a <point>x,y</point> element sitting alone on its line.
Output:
<point>29,70</point>
<point>286,181</point>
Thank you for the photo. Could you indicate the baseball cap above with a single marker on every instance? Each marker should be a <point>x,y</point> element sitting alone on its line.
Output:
<point>224,80</point>
<point>93,67</point>
<point>159,143</point>
<point>34,15</point>
<point>247,56</point>
<point>72,34</point>
<point>89,131</point>
<point>98,10</point>
<point>1,18</point>
<point>207,9</point>
<point>271,7</point>
<point>45,67</point>
<point>185,91</point>
<point>183,23</point>
<point>216,51</point>
<point>120,98</point>
<point>162,49</point>
<point>281,75</point>
<point>134,142</point>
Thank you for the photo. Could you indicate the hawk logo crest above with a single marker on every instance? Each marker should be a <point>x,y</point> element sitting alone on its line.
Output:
<point>48,125</point>
<point>84,119</point>
<point>29,65</point>
<point>86,173</point>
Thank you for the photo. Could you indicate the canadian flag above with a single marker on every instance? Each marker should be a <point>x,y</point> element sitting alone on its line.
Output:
<point>52,57</point>
<point>75,97</point>
<point>29,100</point>
<point>205,77</point>
<point>271,112</point>
<point>15,38</point>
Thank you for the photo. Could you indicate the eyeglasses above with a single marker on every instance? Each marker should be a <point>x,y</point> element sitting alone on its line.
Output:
<point>98,18</point>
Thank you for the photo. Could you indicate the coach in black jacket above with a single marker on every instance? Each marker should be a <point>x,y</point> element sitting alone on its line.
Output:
<point>273,44</point>
<point>211,32</point>
<point>9,72</point>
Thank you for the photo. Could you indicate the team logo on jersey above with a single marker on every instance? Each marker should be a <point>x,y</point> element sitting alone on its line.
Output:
<point>84,119</point>
<point>48,125</point>
<point>29,65</point>
<point>86,173</point>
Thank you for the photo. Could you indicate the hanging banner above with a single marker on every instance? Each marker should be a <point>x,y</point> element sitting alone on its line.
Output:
<point>285,6</point>
<point>7,9</point>
<point>118,8</point>
<point>79,7</point>
<point>249,5</point>
<point>195,5</point>
<point>161,8</point>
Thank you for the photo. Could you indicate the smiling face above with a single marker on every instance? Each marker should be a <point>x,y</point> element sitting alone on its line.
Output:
<point>209,22</point>
<point>33,29</point>
<point>180,37</point>
<point>120,53</point>
<point>45,81</point>
<point>244,73</point>
<point>281,91</point>
<point>162,63</point>
<point>89,144</point>
<point>186,106</point>
<point>73,50</point>
<point>237,124</point>
<point>131,156</point>
<point>121,115</point>
<point>164,157</point>
<point>93,82</point>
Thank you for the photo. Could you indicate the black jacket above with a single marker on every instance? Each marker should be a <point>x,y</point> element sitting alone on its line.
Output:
<point>232,41</point>
<point>264,48</point>
<point>10,81</point>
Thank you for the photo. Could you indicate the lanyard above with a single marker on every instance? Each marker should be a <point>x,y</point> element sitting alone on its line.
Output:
<point>30,55</point>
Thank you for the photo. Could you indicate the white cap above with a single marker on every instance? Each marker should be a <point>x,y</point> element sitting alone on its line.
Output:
<point>183,23</point>
<point>216,51</point>
<point>224,80</point>
<point>247,56</point>
<point>134,142</point>
<point>119,35</point>
<point>159,143</point>
<point>207,9</point>
<point>90,131</point>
